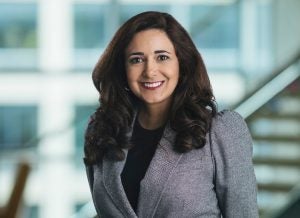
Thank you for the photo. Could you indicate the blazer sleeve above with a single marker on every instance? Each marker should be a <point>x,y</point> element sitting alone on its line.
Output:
<point>235,181</point>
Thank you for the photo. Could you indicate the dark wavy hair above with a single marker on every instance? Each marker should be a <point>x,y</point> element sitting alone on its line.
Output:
<point>193,105</point>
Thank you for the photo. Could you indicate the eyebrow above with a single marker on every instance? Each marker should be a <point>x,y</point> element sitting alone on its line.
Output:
<point>161,51</point>
<point>155,52</point>
<point>136,53</point>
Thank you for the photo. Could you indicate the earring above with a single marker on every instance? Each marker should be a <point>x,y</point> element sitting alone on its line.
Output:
<point>126,89</point>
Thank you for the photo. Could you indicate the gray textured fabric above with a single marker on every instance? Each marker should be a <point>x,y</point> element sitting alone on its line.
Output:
<point>215,181</point>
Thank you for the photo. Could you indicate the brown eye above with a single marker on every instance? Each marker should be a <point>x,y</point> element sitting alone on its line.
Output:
<point>135,60</point>
<point>163,57</point>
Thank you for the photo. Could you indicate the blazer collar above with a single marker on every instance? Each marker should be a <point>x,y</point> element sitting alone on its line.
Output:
<point>112,182</point>
<point>158,174</point>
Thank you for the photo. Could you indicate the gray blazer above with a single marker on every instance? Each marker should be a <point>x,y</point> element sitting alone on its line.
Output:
<point>215,181</point>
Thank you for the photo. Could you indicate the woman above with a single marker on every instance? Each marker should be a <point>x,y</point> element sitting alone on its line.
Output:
<point>156,147</point>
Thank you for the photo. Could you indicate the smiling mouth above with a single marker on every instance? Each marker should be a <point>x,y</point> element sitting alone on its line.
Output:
<point>152,85</point>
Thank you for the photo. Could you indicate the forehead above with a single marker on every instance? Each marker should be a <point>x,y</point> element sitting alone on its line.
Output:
<point>151,39</point>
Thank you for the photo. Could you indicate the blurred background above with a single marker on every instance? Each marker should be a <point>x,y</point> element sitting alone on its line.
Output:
<point>48,49</point>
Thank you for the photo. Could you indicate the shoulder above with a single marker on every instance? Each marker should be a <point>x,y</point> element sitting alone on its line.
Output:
<point>230,134</point>
<point>235,182</point>
<point>228,119</point>
<point>228,123</point>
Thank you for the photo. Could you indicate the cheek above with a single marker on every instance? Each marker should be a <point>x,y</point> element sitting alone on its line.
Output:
<point>174,74</point>
<point>132,79</point>
<point>174,77</point>
<point>132,74</point>
<point>132,82</point>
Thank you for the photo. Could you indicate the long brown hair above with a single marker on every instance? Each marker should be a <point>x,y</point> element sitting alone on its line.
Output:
<point>193,103</point>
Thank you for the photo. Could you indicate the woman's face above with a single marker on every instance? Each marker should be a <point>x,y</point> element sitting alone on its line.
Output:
<point>152,67</point>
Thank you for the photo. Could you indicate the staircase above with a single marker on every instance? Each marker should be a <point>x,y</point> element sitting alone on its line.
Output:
<point>275,127</point>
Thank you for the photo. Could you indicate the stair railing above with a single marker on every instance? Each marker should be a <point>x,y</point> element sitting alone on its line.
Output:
<point>270,87</point>
<point>11,208</point>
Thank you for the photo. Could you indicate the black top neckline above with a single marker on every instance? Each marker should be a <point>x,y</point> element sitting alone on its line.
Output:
<point>138,159</point>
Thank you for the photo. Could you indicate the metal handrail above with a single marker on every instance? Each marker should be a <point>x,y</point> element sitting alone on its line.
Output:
<point>280,78</point>
<point>13,204</point>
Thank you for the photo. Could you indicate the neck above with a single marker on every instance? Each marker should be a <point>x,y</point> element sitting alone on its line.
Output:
<point>153,116</point>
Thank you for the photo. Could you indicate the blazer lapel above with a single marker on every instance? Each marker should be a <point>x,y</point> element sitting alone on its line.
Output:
<point>112,181</point>
<point>113,184</point>
<point>158,174</point>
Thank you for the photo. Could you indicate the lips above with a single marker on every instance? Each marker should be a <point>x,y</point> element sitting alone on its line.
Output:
<point>152,85</point>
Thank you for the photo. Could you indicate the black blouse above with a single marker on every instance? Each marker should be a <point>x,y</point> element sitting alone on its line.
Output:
<point>138,159</point>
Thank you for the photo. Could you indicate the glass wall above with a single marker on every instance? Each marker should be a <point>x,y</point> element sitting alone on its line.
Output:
<point>18,127</point>
<point>18,36</point>
<point>89,26</point>
<point>129,10</point>
<point>215,26</point>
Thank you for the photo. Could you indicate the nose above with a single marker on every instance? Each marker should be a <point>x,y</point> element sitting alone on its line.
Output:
<point>150,69</point>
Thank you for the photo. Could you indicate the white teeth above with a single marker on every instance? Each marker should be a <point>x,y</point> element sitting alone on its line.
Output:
<point>152,85</point>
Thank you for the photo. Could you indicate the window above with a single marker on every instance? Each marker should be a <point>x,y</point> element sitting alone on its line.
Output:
<point>93,29</point>
<point>89,34</point>
<point>130,10</point>
<point>90,22</point>
<point>31,211</point>
<point>214,29</point>
<point>89,25</point>
<point>18,37</point>
<point>215,26</point>
<point>18,126</point>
